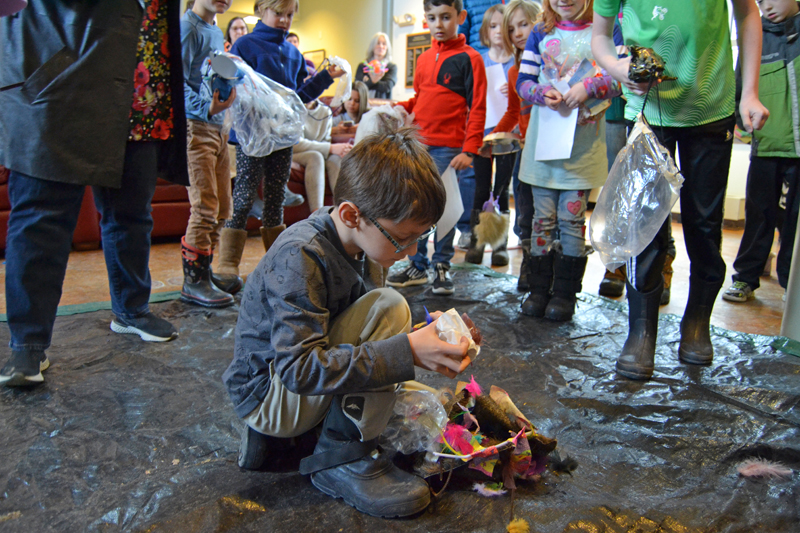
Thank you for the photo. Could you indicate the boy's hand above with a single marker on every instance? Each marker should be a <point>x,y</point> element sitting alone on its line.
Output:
<point>619,71</point>
<point>461,161</point>
<point>504,89</point>
<point>218,106</point>
<point>335,71</point>
<point>576,96</point>
<point>485,150</point>
<point>753,112</point>
<point>432,353</point>
<point>340,149</point>
<point>553,99</point>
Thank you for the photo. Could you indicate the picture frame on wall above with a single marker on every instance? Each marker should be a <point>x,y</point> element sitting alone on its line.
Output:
<point>416,43</point>
<point>316,57</point>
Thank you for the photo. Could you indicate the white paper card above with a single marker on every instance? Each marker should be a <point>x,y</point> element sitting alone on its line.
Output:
<point>556,133</point>
<point>454,207</point>
<point>496,102</point>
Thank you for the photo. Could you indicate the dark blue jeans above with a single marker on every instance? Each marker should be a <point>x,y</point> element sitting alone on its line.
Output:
<point>40,227</point>
<point>523,204</point>
<point>443,250</point>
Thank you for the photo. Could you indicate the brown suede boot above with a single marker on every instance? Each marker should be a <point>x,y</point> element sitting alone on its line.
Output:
<point>667,272</point>
<point>613,284</point>
<point>268,235</point>
<point>231,247</point>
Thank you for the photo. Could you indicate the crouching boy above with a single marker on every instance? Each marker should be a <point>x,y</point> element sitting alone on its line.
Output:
<point>315,345</point>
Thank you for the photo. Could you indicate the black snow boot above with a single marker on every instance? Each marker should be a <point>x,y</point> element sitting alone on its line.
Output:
<point>695,347</point>
<point>197,286</point>
<point>568,275</point>
<point>540,279</point>
<point>638,354</point>
<point>345,466</point>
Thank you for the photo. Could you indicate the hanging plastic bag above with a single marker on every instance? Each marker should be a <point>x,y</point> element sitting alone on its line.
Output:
<point>344,83</point>
<point>417,423</point>
<point>641,189</point>
<point>266,116</point>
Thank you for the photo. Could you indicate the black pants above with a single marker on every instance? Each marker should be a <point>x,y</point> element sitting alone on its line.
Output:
<point>765,181</point>
<point>705,156</point>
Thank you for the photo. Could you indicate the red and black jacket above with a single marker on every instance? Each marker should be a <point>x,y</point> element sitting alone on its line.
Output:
<point>450,101</point>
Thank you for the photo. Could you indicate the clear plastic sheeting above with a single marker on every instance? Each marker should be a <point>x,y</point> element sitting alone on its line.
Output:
<point>641,189</point>
<point>137,436</point>
<point>266,116</point>
<point>344,83</point>
<point>417,423</point>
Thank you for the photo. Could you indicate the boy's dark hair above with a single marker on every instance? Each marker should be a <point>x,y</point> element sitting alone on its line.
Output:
<point>458,5</point>
<point>392,176</point>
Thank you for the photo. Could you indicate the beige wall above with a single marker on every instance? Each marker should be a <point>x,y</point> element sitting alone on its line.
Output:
<point>341,29</point>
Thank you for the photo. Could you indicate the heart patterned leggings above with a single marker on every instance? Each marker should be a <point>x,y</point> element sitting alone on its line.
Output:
<point>559,215</point>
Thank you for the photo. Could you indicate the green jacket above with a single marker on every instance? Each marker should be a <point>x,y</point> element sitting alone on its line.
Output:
<point>779,90</point>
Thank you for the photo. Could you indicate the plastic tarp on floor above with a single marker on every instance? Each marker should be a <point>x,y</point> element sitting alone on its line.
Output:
<point>134,436</point>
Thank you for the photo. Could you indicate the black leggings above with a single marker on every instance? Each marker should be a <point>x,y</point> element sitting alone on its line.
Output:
<point>483,180</point>
<point>272,172</point>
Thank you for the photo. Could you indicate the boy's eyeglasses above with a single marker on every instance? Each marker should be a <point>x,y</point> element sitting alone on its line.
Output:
<point>398,247</point>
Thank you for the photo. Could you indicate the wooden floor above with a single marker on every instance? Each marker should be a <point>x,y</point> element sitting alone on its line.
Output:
<point>87,281</point>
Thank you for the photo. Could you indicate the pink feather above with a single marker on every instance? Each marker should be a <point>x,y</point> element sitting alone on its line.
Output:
<point>459,438</point>
<point>763,468</point>
<point>473,388</point>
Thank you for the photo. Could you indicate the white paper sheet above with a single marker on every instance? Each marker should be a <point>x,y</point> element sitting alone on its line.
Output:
<point>496,102</point>
<point>454,207</point>
<point>556,133</point>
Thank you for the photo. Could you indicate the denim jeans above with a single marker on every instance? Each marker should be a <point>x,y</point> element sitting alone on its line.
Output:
<point>443,250</point>
<point>559,214</point>
<point>466,185</point>
<point>40,227</point>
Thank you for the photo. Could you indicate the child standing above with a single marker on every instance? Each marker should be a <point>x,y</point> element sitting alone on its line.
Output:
<point>450,109</point>
<point>518,21</point>
<point>268,52</point>
<point>498,54</point>
<point>561,187</point>
<point>313,344</point>
<point>209,163</point>
<point>774,155</point>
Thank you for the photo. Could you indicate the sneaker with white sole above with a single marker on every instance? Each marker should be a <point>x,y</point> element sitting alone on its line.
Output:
<point>740,291</point>
<point>24,369</point>
<point>463,241</point>
<point>410,276</point>
<point>442,282</point>
<point>149,327</point>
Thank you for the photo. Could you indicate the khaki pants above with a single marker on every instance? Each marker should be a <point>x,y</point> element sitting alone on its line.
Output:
<point>210,184</point>
<point>378,315</point>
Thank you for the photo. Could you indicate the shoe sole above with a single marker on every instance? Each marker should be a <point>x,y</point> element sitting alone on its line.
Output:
<point>441,291</point>
<point>420,506</point>
<point>738,299</point>
<point>693,359</point>
<point>636,374</point>
<point>215,304</point>
<point>18,379</point>
<point>409,283</point>
<point>130,330</point>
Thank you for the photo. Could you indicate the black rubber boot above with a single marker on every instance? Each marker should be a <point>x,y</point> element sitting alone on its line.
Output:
<point>475,252</point>
<point>638,353</point>
<point>567,278</point>
<point>613,284</point>
<point>344,467</point>
<point>197,287</point>
<point>696,347</point>
<point>225,282</point>
<point>523,284</point>
<point>540,279</point>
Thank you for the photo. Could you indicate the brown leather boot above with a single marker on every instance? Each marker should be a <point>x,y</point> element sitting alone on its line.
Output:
<point>667,272</point>
<point>268,235</point>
